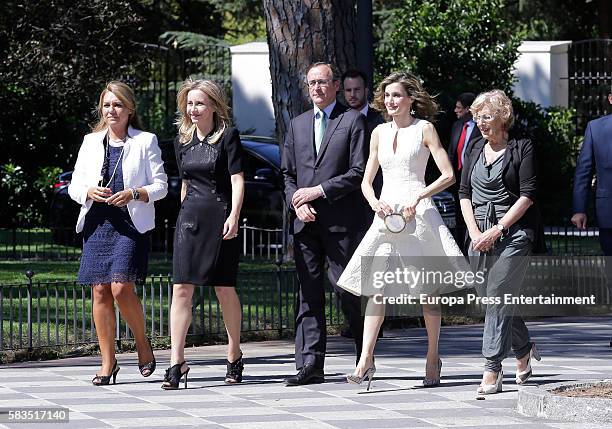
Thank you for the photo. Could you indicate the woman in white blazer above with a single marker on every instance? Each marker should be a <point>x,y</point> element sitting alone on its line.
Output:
<point>117,177</point>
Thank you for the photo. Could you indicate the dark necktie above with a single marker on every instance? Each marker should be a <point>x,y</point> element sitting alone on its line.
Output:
<point>460,145</point>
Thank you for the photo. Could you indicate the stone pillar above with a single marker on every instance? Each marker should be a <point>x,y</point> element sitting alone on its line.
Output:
<point>252,89</point>
<point>541,73</point>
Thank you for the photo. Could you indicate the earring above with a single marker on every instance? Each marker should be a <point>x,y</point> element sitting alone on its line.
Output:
<point>412,112</point>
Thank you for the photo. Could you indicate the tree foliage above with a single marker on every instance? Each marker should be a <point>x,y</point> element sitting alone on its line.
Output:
<point>56,56</point>
<point>553,132</point>
<point>453,45</point>
<point>242,20</point>
<point>560,19</point>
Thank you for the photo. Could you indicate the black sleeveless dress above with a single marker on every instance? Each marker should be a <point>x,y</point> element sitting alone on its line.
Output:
<point>201,256</point>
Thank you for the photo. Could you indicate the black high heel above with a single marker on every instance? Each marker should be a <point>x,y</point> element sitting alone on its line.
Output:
<point>149,366</point>
<point>234,371</point>
<point>174,375</point>
<point>104,380</point>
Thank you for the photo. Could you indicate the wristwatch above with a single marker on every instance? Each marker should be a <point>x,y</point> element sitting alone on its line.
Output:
<point>502,229</point>
<point>135,194</point>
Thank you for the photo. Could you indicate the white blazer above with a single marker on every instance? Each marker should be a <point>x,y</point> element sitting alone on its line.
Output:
<point>142,168</point>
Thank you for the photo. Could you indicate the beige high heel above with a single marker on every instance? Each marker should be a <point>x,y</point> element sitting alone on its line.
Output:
<point>489,389</point>
<point>523,376</point>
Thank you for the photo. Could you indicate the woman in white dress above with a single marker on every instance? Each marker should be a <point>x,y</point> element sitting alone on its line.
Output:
<point>401,147</point>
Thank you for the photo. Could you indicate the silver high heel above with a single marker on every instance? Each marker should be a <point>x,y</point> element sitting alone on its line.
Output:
<point>488,389</point>
<point>523,376</point>
<point>433,382</point>
<point>355,379</point>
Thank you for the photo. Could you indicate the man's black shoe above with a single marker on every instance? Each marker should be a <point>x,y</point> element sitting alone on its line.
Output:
<point>307,375</point>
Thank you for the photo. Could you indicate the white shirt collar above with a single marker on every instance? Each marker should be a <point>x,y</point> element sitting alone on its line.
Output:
<point>328,110</point>
<point>364,111</point>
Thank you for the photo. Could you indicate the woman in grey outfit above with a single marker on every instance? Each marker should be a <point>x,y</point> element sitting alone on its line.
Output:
<point>497,196</point>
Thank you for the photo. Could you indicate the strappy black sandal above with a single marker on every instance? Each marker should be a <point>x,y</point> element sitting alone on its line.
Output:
<point>173,377</point>
<point>104,380</point>
<point>148,368</point>
<point>234,371</point>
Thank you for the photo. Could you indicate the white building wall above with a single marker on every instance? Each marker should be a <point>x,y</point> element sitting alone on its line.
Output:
<point>252,89</point>
<point>541,73</point>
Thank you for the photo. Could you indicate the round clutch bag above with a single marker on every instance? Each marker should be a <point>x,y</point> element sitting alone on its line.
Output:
<point>395,222</point>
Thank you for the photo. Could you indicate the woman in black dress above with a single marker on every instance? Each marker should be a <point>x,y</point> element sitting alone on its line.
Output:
<point>206,250</point>
<point>118,175</point>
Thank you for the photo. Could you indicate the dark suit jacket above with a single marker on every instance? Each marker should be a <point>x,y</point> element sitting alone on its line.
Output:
<point>373,120</point>
<point>454,142</point>
<point>518,176</point>
<point>338,167</point>
<point>596,154</point>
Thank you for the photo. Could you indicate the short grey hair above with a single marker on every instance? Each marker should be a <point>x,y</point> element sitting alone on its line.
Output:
<point>498,102</point>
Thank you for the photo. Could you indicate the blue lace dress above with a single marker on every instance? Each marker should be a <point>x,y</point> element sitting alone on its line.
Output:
<point>113,249</point>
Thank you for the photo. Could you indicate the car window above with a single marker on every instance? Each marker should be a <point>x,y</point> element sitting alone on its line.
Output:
<point>252,164</point>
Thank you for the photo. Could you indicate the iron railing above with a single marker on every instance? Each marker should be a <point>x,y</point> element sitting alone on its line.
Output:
<point>162,72</point>
<point>266,244</point>
<point>590,79</point>
<point>51,314</point>
<point>55,314</point>
<point>571,241</point>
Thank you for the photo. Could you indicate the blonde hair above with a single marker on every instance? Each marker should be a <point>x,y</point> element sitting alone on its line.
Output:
<point>221,118</point>
<point>498,102</point>
<point>424,105</point>
<point>125,94</point>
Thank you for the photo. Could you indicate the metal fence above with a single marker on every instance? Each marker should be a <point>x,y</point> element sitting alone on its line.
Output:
<point>571,241</point>
<point>57,244</point>
<point>55,314</point>
<point>590,79</point>
<point>162,72</point>
<point>262,244</point>
<point>50,314</point>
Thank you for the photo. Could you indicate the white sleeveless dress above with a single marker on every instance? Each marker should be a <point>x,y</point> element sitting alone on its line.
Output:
<point>426,236</point>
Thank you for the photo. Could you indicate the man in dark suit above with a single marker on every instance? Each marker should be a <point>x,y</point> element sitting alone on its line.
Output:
<point>596,155</point>
<point>356,94</point>
<point>323,163</point>
<point>355,84</point>
<point>463,134</point>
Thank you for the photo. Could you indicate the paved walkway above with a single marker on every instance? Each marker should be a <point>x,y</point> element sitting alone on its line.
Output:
<point>571,349</point>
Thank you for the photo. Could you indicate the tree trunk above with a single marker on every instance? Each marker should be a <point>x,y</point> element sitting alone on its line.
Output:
<point>301,32</point>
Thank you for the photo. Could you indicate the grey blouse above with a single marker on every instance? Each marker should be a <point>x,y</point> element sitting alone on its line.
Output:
<point>487,185</point>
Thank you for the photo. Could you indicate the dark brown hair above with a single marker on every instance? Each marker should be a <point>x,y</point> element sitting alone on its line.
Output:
<point>424,105</point>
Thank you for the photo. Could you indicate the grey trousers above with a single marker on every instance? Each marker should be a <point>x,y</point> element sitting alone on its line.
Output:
<point>505,265</point>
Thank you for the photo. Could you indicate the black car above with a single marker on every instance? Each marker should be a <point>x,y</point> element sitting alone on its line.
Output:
<point>263,200</point>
